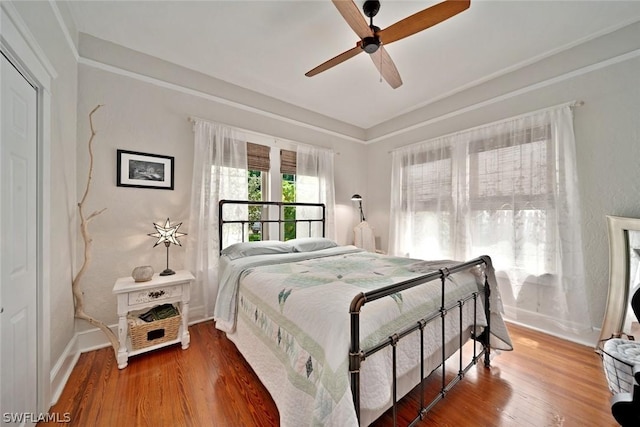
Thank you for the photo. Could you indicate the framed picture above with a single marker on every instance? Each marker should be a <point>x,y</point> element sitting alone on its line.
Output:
<point>143,170</point>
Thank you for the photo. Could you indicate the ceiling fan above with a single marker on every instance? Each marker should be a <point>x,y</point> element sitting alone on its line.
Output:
<point>373,39</point>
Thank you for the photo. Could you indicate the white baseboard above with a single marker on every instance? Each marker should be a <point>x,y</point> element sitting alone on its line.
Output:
<point>94,339</point>
<point>579,334</point>
<point>90,340</point>
<point>61,371</point>
<point>81,342</point>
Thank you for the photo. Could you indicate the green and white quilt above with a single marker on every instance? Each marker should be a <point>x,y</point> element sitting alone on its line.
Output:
<point>297,306</point>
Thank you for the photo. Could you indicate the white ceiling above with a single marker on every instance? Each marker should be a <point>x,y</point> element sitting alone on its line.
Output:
<point>267,46</point>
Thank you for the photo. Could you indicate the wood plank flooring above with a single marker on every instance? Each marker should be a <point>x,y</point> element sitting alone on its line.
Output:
<point>544,382</point>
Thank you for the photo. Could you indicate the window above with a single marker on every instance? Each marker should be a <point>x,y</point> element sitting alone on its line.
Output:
<point>289,195</point>
<point>220,171</point>
<point>288,180</point>
<point>428,179</point>
<point>506,185</point>
<point>259,165</point>
<point>511,201</point>
<point>255,186</point>
<point>507,190</point>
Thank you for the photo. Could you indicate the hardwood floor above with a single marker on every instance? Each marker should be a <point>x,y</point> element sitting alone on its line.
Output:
<point>544,382</point>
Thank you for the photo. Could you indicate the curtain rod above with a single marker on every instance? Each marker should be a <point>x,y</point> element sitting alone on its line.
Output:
<point>571,104</point>
<point>193,119</point>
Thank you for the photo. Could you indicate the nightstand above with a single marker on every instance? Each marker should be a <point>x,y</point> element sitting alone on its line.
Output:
<point>134,296</point>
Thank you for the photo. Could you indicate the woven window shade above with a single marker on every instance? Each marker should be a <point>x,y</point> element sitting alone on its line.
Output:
<point>258,157</point>
<point>288,162</point>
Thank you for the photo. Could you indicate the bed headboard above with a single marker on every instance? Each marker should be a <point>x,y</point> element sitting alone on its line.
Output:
<point>272,216</point>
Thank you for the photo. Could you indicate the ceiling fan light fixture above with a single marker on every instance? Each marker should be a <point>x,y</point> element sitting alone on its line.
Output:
<point>370,44</point>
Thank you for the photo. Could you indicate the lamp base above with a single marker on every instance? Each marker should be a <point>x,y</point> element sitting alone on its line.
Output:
<point>167,272</point>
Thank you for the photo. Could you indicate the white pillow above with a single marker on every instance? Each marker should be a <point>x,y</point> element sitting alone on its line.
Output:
<point>309,244</point>
<point>263,247</point>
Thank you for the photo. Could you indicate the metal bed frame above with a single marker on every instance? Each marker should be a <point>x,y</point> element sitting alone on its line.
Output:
<point>280,220</point>
<point>356,354</point>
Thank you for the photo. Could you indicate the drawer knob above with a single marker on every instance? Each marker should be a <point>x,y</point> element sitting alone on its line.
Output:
<point>156,294</point>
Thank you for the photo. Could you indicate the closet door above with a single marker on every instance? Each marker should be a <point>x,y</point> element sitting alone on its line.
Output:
<point>18,246</point>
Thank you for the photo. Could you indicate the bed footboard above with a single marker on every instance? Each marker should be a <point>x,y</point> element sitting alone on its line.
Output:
<point>357,355</point>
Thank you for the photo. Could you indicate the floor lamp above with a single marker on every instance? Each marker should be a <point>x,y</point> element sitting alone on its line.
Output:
<point>358,198</point>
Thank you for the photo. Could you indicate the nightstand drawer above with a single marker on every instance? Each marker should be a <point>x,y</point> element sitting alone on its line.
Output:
<point>156,294</point>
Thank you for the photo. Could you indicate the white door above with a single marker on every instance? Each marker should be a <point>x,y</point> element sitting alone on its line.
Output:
<point>18,243</point>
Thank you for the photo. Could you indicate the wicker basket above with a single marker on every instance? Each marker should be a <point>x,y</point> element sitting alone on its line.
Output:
<point>618,358</point>
<point>151,333</point>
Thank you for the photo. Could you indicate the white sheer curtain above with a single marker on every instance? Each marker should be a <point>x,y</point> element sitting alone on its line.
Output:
<point>508,190</point>
<point>314,184</point>
<point>219,172</point>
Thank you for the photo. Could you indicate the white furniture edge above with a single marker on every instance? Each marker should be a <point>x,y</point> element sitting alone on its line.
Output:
<point>619,275</point>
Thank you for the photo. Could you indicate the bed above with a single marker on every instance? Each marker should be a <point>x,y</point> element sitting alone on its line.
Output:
<point>337,334</point>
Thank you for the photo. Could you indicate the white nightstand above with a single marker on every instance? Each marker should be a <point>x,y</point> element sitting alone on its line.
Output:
<point>141,295</point>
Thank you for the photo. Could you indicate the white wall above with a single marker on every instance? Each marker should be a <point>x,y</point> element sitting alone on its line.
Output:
<point>143,114</point>
<point>605,74</point>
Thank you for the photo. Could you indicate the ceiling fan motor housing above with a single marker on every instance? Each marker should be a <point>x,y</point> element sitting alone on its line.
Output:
<point>371,44</point>
<point>371,9</point>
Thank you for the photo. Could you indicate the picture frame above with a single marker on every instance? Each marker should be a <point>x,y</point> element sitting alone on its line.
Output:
<point>144,170</point>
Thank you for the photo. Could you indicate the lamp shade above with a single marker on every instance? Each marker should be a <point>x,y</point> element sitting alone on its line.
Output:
<point>168,234</point>
<point>358,198</point>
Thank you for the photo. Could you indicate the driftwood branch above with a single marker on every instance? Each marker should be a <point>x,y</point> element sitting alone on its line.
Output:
<point>78,296</point>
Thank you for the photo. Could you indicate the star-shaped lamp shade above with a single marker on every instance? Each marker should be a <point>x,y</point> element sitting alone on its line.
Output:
<point>167,234</point>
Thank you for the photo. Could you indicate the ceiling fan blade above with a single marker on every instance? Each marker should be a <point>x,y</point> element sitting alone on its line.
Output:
<point>354,18</point>
<point>335,60</point>
<point>422,20</point>
<point>387,68</point>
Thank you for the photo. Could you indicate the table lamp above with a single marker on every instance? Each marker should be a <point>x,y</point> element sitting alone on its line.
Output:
<point>167,234</point>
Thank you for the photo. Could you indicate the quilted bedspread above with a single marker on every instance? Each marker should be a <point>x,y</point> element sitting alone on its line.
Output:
<point>299,311</point>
